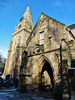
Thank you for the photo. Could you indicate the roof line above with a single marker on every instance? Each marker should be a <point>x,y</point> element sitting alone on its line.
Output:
<point>71,24</point>
<point>53,19</point>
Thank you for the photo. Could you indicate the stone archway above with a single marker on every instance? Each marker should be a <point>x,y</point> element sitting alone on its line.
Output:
<point>47,74</point>
<point>44,67</point>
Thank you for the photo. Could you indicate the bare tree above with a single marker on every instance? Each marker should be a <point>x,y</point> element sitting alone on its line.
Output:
<point>2,63</point>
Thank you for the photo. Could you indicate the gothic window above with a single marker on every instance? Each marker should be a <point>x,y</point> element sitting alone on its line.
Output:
<point>41,37</point>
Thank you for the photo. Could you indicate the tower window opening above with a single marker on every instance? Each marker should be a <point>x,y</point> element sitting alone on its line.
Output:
<point>19,26</point>
<point>41,37</point>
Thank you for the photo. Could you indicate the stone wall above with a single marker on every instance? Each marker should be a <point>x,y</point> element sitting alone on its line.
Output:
<point>55,34</point>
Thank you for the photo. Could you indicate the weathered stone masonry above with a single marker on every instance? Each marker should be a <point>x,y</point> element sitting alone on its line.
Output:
<point>41,45</point>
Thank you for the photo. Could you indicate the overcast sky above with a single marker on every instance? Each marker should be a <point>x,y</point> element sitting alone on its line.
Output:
<point>12,10</point>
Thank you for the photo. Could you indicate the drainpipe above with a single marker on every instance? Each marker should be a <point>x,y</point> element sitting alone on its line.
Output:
<point>61,59</point>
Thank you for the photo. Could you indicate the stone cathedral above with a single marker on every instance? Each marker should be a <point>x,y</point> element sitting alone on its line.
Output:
<point>35,50</point>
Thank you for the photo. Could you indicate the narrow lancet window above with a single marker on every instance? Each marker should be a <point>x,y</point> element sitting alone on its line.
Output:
<point>41,37</point>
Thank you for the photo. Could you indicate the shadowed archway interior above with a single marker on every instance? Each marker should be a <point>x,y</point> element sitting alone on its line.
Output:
<point>47,67</point>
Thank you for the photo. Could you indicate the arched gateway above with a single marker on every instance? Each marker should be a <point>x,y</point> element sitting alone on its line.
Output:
<point>45,71</point>
<point>47,74</point>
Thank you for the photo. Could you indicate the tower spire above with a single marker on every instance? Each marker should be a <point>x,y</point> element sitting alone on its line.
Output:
<point>28,8</point>
<point>27,17</point>
<point>27,12</point>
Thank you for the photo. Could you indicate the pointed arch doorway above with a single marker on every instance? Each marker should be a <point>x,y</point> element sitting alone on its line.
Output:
<point>46,75</point>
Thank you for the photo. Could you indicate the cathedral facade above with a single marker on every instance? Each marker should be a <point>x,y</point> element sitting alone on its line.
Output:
<point>36,49</point>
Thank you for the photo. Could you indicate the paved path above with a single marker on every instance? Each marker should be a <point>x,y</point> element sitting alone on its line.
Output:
<point>12,94</point>
<point>8,94</point>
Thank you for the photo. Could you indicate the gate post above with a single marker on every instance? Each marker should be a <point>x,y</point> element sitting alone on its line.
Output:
<point>71,73</point>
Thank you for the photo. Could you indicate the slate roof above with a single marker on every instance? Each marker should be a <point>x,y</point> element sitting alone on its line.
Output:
<point>72,26</point>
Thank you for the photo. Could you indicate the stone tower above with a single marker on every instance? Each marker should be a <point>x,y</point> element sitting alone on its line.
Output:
<point>18,44</point>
